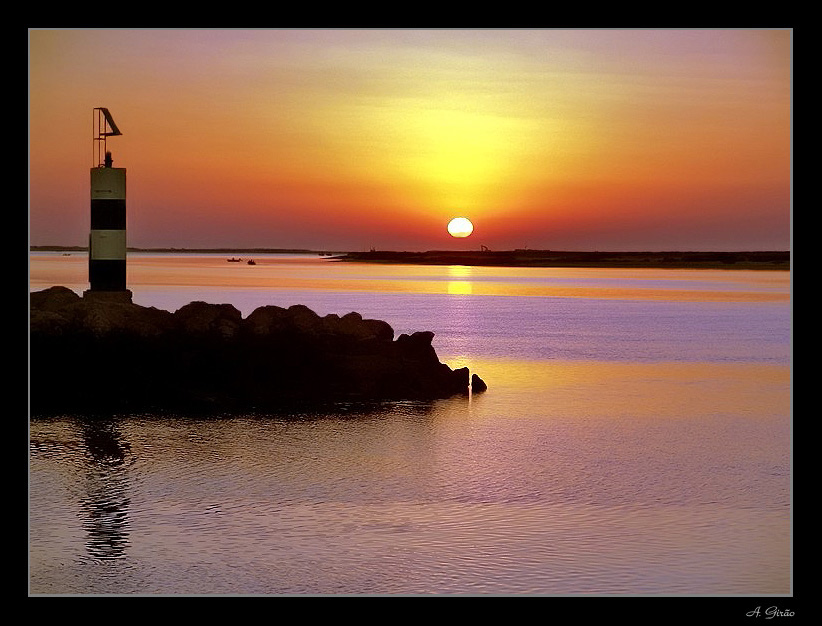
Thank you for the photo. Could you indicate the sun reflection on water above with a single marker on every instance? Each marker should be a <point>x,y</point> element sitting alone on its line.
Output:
<point>459,280</point>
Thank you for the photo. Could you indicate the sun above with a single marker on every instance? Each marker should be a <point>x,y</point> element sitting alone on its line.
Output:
<point>460,227</point>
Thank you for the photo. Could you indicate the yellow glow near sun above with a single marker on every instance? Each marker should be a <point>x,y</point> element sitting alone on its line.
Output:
<point>463,156</point>
<point>460,227</point>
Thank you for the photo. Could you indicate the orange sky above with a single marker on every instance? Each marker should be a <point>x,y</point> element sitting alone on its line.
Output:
<point>350,139</point>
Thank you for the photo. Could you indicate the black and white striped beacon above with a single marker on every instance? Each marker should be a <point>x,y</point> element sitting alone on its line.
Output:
<point>107,239</point>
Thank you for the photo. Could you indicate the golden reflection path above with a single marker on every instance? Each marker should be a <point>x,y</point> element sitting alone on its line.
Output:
<point>586,389</point>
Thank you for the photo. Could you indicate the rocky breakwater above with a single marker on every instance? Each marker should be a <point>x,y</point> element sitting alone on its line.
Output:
<point>91,354</point>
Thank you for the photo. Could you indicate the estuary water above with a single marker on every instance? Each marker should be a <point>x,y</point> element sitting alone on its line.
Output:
<point>635,439</point>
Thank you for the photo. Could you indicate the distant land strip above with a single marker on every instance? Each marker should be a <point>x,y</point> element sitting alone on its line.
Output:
<point>773,260</point>
<point>768,260</point>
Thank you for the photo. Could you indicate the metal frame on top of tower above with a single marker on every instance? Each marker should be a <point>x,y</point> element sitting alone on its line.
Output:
<point>103,128</point>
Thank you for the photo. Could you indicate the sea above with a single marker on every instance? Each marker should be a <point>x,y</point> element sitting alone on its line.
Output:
<point>635,440</point>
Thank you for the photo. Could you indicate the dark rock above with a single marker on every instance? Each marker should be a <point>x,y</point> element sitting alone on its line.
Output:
<point>477,384</point>
<point>353,325</point>
<point>304,320</point>
<point>90,354</point>
<point>266,320</point>
<point>48,323</point>
<point>201,318</point>
<point>52,299</point>
<point>416,345</point>
<point>58,308</point>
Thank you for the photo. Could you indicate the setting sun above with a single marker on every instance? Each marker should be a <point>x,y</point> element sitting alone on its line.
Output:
<point>460,227</point>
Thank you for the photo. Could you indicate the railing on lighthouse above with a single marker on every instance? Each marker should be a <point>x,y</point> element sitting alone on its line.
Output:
<point>107,237</point>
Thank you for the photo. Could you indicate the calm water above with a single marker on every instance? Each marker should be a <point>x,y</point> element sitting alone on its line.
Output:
<point>635,439</point>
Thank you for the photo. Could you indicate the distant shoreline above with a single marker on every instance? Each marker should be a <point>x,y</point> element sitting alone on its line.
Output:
<point>767,260</point>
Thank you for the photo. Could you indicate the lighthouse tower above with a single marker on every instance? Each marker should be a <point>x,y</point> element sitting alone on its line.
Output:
<point>107,239</point>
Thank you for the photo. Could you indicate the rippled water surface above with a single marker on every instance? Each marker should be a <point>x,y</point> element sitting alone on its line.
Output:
<point>635,439</point>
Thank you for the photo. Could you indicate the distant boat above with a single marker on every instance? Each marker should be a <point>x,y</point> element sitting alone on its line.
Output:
<point>251,262</point>
<point>233,260</point>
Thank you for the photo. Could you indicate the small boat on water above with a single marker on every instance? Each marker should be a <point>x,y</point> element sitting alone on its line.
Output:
<point>251,262</point>
<point>233,260</point>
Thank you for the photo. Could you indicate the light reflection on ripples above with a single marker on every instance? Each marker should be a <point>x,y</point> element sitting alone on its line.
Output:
<point>444,497</point>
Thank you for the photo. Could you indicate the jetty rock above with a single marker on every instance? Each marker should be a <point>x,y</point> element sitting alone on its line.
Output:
<point>93,354</point>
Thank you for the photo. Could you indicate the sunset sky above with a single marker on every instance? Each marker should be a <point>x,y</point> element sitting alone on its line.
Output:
<point>353,139</point>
